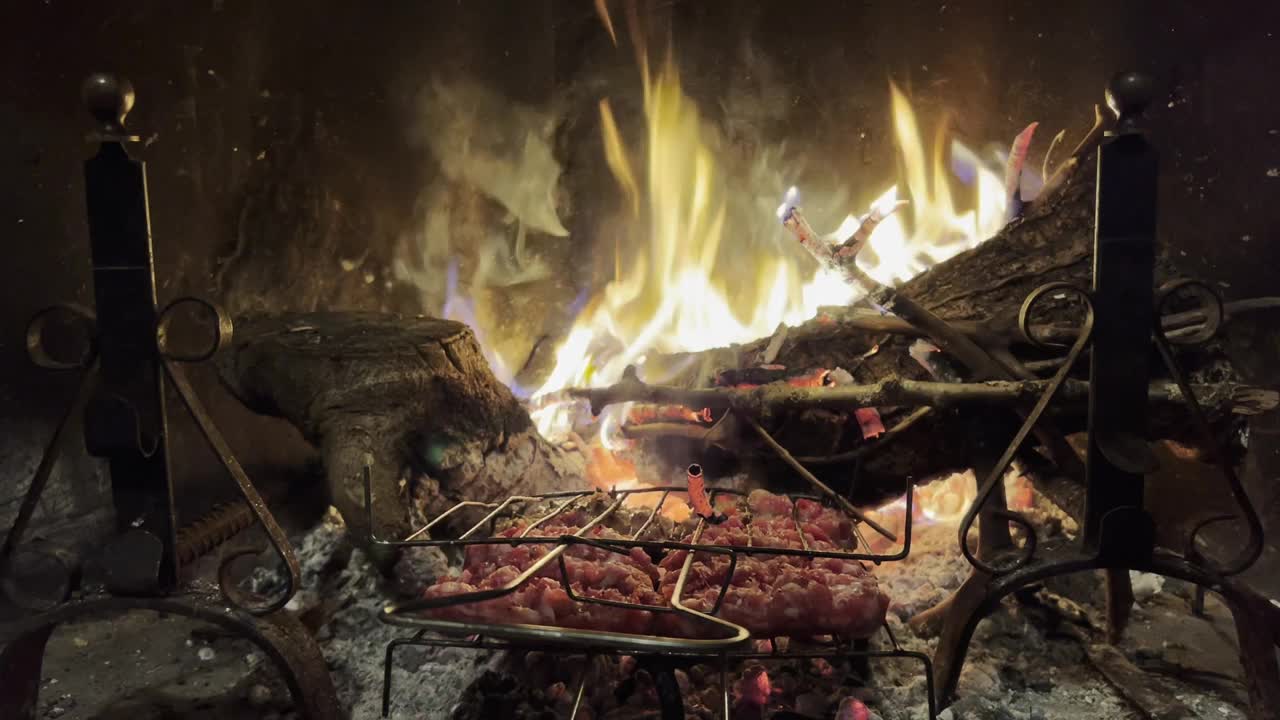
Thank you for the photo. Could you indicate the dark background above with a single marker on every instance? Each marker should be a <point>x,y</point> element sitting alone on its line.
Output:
<point>278,140</point>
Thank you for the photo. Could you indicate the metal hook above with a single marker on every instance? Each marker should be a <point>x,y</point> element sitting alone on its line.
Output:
<point>997,471</point>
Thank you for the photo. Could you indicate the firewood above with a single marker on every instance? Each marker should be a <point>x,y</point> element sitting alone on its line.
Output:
<point>401,395</point>
<point>979,293</point>
<point>767,400</point>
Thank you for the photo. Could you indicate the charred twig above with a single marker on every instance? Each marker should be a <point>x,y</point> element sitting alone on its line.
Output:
<point>875,445</point>
<point>769,399</point>
<point>1148,693</point>
<point>1191,318</point>
<point>981,363</point>
<point>1145,691</point>
<point>1101,121</point>
<point>702,433</point>
<point>954,342</point>
<point>789,459</point>
<point>1209,679</point>
<point>642,431</point>
<point>928,623</point>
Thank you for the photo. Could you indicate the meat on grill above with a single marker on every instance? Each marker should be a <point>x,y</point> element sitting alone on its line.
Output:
<point>542,599</point>
<point>777,595</point>
<point>770,595</point>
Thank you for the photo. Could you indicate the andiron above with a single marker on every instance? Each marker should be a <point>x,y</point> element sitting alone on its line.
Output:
<point>1119,325</point>
<point>131,361</point>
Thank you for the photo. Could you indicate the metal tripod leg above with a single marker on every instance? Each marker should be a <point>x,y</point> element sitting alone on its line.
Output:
<point>281,637</point>
<point>1257,620</point>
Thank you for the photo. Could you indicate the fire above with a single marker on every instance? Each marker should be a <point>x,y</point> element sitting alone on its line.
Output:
<point>684,283</point>
<point>945,500</point>
<point>699,263</point>
<point>606,470</point>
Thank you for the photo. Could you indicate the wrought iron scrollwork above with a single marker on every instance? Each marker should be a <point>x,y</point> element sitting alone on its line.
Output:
<point>172,358</point>
<point>67,314</point>
<point>41,355</point>
<point>1083,336</point>
<point>126,348</point>
<point>1212,310</point>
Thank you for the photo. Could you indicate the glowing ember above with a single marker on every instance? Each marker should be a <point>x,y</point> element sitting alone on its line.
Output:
<point>753,688</point>
<point>946,500</point>
<point>606,470</point>
<point>852,709</point>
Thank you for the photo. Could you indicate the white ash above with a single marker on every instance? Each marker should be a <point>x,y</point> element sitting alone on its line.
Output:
<point>428,681</point>
<point>932,571</point>
<point>1017,667</point>
<point>1145,585</point>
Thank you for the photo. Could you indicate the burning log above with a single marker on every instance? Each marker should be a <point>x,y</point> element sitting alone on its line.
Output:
<point>768,400</point>
<point>395,394</point>
<point>979,294</point>
<point>934,445</point>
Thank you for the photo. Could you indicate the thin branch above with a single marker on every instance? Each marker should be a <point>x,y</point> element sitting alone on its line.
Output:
<point>980,362</point>
<point>691,431</point>
<point>1101,121</point>
<point>768,399</point>
<point>875,445</point>
<point>813,480</point>
<point>701,433</point>
<point>956,343</point>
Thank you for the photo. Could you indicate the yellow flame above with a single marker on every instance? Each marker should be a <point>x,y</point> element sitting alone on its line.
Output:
<point>602,9</point>
<point>671,293</point>
<point>615,154</point>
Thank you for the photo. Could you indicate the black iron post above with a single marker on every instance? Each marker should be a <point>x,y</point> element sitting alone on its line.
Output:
<point>1123,286</point>
<point>125,421</point>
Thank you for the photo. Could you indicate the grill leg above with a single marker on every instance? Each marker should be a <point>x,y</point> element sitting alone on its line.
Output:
<point>20,666</point>
<point>860,665</point>
<point>669,698</point>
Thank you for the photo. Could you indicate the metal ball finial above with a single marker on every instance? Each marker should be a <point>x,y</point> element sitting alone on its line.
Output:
<point>1128,95</point>
<point>109,98</point>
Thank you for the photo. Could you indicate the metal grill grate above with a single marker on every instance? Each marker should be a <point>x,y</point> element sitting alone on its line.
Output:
<point>723,641</point>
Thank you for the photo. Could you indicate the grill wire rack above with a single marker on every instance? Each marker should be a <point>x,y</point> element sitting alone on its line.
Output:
<point>726,641</point>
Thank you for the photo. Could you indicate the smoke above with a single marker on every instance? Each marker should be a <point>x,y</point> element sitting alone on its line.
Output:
<point>501,148</point>
<point>485,145</point>
<point>490,233</point>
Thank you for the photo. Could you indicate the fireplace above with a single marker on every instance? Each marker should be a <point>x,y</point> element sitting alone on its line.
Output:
<point>656,364</point>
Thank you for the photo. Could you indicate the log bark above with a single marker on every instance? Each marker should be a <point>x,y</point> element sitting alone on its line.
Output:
<point>412,398</point>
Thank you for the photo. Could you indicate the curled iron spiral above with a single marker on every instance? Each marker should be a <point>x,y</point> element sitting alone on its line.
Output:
<point>1213,310</point>
<point>67,314</point>
<point>1213,313</point>
<point>171,357</point>
<point>1085,333</point>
